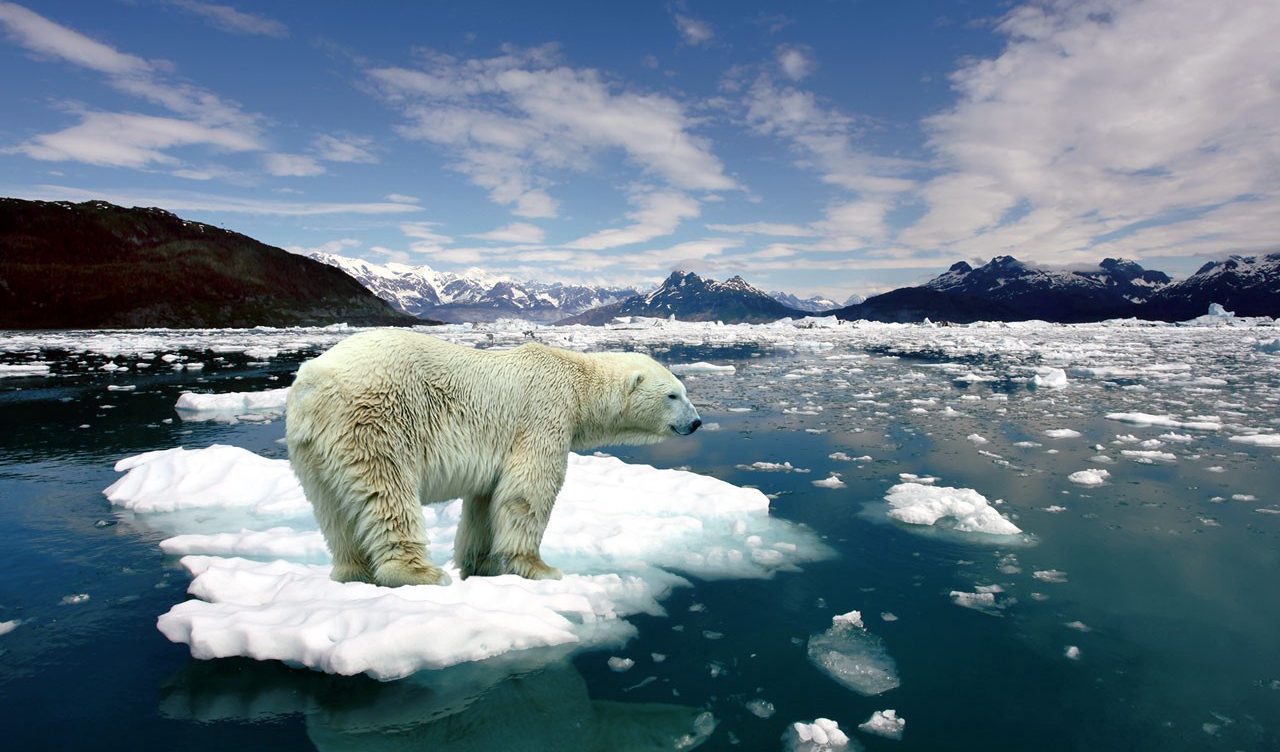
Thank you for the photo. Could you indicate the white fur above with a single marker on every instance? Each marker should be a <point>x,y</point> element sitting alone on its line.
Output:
<point>390,419</point>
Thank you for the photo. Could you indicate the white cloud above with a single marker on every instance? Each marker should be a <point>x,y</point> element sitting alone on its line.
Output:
<point>425,238</point>
<point>209,119</point>
<point>796,62</point>
<point>130,140</point>
<point>401,198</point>
<point>229,19</point>
<point>42,36</point>
<point>179,201</point>
<point>517,232</point>
<point>292,165</point>
<point>336,247</point>
<point>657,213</point>
<point>1107,115</point>
<point>692,30</point>
<point>512,122</point>
<point>344,149</point>
<point>766,228</point>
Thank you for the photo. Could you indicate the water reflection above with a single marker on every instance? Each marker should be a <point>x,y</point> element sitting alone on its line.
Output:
<point>474,707</point>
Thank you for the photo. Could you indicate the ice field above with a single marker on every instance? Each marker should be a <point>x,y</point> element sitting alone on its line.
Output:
<point>1012,536</point>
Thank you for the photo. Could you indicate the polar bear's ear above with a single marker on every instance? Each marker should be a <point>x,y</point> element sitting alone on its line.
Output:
<point>634,381</point>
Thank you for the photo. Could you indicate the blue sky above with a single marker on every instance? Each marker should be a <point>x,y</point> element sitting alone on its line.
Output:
<point>822,147</point>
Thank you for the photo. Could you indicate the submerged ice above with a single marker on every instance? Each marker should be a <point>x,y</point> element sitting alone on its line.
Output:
<point>854,657</point>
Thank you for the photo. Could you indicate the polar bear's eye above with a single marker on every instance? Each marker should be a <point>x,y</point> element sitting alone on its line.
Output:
<point>672,396</point>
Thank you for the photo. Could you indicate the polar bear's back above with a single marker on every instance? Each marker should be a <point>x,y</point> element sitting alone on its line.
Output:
<point>450,411</point>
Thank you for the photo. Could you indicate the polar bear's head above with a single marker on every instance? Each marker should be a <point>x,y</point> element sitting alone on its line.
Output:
<point>649,403</point>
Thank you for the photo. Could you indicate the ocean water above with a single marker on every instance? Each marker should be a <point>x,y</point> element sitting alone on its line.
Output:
<point>1163,578</point>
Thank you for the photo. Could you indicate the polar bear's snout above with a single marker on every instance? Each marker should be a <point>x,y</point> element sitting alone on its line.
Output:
<point>688,420</point>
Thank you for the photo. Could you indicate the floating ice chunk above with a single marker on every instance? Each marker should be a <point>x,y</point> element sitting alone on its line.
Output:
<point>1079,626</point>
<point>1062,433</point>
<point>1049,378</point>
<point>1243,497</point>
<point>1259,439</point>
<point>1147,455</point>
<point>1050,575</point>
<point>823,735</point>
<point>978,601</point>
<point>20,370</point>
<point>620,664</point>
<point>227,407</point>
<point>1268,345</point>
<point>1089,477</point>
<point>1055,508</point>
<point>831,482</point>
<point>1072,652</point>
<point>701,367</point>
<point>289,610</point>
<point>977,439</point>
<point>1165,421</point>
<point>884,723</point>
<point>8,626</point>
<point>773,467</point>
<point>760,708</point>
<point>854,657</point>
<point>73,599</point>
<point>918,504</point>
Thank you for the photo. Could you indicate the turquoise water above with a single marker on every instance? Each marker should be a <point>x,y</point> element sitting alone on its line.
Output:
<point>1173,578</point>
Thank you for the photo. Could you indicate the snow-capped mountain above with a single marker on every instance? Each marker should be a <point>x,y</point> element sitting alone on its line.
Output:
<point>473,295</point>
<point>815,304</point>
<point>1247,285</point>
<point>1053,294</point>
<point>690,297</point>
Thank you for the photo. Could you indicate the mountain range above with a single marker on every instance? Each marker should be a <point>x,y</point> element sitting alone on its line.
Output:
<point>473,295</point>
<point>96,265</point>
<point>689,297</point>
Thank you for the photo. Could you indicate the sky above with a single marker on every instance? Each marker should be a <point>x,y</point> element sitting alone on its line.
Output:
<point>828,147</point>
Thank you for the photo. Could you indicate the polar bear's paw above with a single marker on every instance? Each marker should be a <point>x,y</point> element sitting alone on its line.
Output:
<point>528,566</point>
<point>397,573</point>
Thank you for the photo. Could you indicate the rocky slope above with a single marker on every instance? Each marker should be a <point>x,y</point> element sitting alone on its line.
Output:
<point>96,265</point>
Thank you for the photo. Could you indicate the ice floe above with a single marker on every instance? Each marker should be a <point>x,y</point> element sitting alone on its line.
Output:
<point>23,369</point>
<point>1165,421</point>
<point>622,533</point>
<point>886,723</point>
<point>920,504</point>
<point>701,367</point>
<point>1089,477</point>
<point>1258,439</point>
<point>823,735</point>
<point>231,406</point>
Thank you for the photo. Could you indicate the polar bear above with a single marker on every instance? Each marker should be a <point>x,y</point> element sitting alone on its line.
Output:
<point>389,419</point>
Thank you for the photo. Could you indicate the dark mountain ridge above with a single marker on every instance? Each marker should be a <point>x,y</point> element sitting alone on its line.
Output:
<point>96,265</point>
